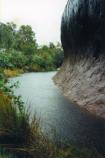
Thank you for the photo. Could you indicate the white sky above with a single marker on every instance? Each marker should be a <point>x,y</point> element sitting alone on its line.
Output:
<point>43,15</point>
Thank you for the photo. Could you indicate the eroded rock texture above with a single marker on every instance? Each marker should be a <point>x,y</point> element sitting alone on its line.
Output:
<point>82,75</point>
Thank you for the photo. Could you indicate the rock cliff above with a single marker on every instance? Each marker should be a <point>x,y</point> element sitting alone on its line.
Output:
<point>82,75</point>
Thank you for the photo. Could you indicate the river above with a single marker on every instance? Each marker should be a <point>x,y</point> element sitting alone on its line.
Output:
<point>71,123</point>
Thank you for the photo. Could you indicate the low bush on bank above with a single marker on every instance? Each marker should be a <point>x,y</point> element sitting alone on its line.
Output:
<point>12,73</point>
<point>41,60</point>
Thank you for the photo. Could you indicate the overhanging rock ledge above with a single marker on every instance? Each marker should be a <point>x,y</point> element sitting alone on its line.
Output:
<point>82,75</point>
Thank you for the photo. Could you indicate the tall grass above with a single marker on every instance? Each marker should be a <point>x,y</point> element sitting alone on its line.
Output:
<point>19,133</point>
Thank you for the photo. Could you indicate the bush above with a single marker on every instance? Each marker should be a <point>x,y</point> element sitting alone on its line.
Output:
<point>18,59</point>
<point>5,60</point>
<point>44,61</point>
<point>12,59</point>
<point>12,73</point>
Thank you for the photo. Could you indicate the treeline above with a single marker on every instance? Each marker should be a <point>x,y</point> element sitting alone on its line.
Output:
<point>19,49</point>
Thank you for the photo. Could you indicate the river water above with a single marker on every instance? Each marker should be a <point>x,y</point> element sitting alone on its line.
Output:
<point>71,123</point>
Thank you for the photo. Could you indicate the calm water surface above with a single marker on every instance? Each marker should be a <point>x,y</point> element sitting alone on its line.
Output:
<point>71,124</point>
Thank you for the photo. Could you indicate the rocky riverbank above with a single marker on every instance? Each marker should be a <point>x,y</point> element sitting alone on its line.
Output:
<point>83,82</point>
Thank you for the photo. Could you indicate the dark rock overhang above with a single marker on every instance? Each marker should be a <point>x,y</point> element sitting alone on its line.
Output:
<point>83,27</point>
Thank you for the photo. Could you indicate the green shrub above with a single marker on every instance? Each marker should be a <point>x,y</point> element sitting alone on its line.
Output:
<point>5,60</point>
<point>17,59</point>
<point>12,59</point>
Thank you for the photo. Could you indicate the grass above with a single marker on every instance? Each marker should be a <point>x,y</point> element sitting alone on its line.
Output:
<point>21,136</point>
<point>19,133</point>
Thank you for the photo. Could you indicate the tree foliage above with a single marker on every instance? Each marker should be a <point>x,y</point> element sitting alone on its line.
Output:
<point>25,40</point>
<point>7,35</point>
<point>22,39</point>
<point>19,49</point>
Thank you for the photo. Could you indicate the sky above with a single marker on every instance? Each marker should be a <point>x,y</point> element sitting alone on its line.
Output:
<point>43,15</point>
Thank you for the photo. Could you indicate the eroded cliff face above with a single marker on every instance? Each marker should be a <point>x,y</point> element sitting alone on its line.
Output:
<point>84,83</point>
<point>82,75</point>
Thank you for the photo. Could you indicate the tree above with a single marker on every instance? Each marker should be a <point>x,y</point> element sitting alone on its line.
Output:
<point>25,40</point>
<point>51,45</point>
<point>58,58</point>
<point>7,35</point>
